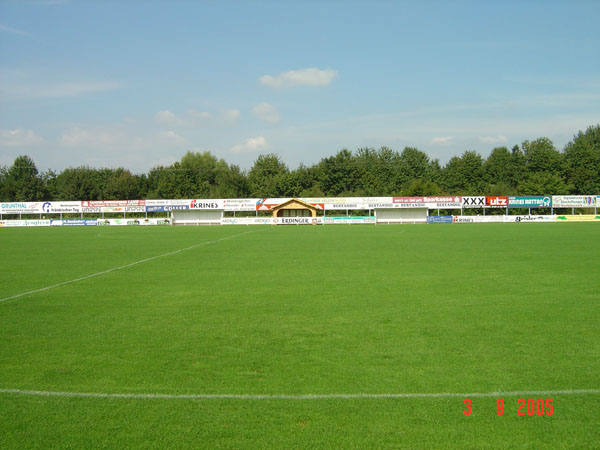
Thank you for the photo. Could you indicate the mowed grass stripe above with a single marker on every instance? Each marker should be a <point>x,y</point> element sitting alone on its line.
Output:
<point>112,269</point>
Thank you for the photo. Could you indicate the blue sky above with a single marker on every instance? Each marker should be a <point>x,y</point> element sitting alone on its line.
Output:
<point>139,83</point>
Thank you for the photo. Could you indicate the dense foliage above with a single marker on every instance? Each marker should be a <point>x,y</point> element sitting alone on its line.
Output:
<point>535,168</point>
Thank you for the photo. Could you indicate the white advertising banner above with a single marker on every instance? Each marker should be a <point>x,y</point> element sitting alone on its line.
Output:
<point>573,201</point>
<point>479,219</point>
<point>113,206</point>
<point>272,221</point>
<point>247,221</point>
<point>450,202</point>
<point>24,223</point>
<point>502,219</point>
<point>21,208</point>
<point>349,220</point>
<point>473,202</point>
<point>40,207</point>
<point>526,219</point>
<point>240,204</point>
<point>133,222</point>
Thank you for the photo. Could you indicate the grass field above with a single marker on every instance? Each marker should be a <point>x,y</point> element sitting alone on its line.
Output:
<point>262,312</point>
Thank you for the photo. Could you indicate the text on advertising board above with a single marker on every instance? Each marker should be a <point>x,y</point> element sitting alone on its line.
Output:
<point>197,204</point>
<point>473,202</point>
<point>496,202</point>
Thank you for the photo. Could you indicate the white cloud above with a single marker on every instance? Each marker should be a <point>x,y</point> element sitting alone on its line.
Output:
<point>19,138</point>
<point>493,139</point>
<point>252,145</point>
<point>230,114</point>
<point>442,140</point>
<point>303,77</point>
<point>166,117</point>
<point>170,137</point>
<point>199,115</point>
<point>190,118</point>
<point>58,90</point>
<point>266,112</point>
<point>97,138</point>
<point>14,30</point>
<point>118,139</point>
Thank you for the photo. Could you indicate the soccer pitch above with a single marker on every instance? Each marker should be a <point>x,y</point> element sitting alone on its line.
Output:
<point>301,337</point>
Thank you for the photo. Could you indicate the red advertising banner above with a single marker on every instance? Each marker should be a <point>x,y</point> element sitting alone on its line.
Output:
<point>408,200</point>
<point>496,202</point>
<point>111,203</point>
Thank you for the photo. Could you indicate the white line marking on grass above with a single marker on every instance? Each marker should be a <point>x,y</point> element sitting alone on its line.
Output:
<point>297,397</point>
<point>97,274</point>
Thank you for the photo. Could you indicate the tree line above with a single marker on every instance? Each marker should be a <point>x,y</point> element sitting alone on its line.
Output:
<point>533,168</point>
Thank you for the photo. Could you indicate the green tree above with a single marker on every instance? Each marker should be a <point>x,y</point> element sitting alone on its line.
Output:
<point>3,173</point>
<point>79,183</point>
<point>421,187</point>
<point>230,182</point>
<point>543,183</point>
<point>582,161</point>
<point>415,164</point>
<point>122,186</point>
<point>540,155</point>
<point>543,169</point>
<point>464,175</point>
<point>267,176</point>
<point>162,182</point>
<point>22,182</point>
<point>337,175</point>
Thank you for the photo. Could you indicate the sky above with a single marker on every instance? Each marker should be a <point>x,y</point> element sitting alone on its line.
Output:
<point>138,83</point>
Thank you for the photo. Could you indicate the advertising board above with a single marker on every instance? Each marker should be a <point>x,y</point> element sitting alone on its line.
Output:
<point>166,208</point>
<point>503,219</point>
<point>297,220</point>
<point>111,203</point>
<point>271,220</point>
<point>206,204</point>
<point>496,201</point>
<point>348,220</point>
<point>578,218</point>
<point>573,201</point>
<point>61,207</point>
<point>473,202</point>
<point>24,223</point>
<point>478,219</point>
<point>528,219</point>
<point>429,202</point>
<point>240,204</point>
<point>21,208</point>
<point>133,222</point>
<point>537,201</point>
<point>439,219</point>
<point>247,221</point>
<point>73,222</point>
<point>113,206</point>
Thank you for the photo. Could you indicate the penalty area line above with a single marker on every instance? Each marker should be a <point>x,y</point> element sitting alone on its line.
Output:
<point>295,397</point>
<point>124,266</point>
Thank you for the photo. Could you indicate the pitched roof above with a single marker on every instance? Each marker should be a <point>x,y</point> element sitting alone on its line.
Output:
<point>295,200</point>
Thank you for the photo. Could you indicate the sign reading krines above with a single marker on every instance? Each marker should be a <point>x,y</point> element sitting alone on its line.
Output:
<point>206,204</point>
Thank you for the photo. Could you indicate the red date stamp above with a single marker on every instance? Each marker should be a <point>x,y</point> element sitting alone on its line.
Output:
<point>525,407</point>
